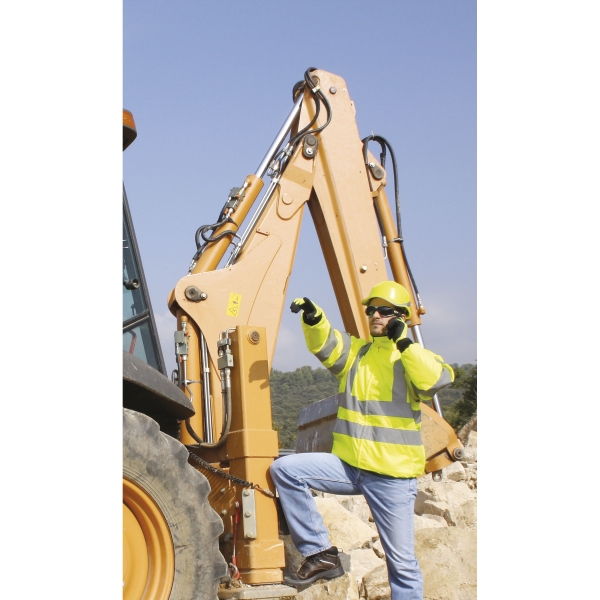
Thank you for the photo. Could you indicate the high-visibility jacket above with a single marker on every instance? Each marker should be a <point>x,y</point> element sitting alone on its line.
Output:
<point>379,412</point>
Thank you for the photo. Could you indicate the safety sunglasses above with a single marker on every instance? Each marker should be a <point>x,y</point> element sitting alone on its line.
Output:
<point>384,311</point>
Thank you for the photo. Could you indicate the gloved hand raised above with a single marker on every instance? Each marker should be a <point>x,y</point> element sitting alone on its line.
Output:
<point>312,313</point>
<point>396,329</point>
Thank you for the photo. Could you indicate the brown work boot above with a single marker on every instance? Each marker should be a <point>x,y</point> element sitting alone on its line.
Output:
<point>324,565</point>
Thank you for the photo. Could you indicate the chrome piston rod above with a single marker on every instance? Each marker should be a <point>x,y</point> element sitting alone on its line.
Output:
<point>262,169</point>
<point>206,399</point>
<point>266,161</point>
<point>255,217</point>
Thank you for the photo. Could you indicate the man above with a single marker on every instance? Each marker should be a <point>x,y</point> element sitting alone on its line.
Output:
<point>377,447</point>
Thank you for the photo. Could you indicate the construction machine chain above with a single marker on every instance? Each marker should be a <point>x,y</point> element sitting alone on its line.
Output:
<point>235,480</point>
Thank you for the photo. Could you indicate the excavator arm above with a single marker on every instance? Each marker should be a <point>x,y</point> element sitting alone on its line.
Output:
<point>229,317</point>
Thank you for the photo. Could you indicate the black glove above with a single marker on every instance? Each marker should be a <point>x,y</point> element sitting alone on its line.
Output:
<point>312,313</point>
<point>397,331</point>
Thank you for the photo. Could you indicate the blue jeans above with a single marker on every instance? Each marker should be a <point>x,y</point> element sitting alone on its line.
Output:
<point>390,499</point>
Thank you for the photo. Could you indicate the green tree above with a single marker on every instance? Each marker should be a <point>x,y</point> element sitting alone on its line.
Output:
<point>462,410</point>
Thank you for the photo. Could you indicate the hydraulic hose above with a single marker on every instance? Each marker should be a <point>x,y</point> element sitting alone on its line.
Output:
<point>226,426</point>
<point>385,144</point>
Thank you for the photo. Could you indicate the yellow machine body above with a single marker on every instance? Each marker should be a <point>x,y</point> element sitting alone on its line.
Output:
<point>339,193</point>
<point>243,302</point>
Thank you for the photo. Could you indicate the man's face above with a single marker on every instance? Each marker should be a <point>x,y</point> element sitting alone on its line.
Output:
<point>377,323</point>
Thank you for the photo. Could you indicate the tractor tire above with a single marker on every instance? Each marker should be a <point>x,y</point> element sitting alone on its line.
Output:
<point>171,533</point>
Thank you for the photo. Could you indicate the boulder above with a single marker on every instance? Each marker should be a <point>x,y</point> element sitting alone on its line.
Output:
<point>378,549</point>
<point>441,509</point>
<point>422,496</point>
<point>362,562</point>
<point>293,558</point>
<point>375,585</point>
<point>346,531</point>
<point>453,500</point>
<point>357,505</point>
<point>342,588</point>
<point>470,457</point>
<point>448,560</point>
<point>472,440</point>
<point>429,521</point>
<point>455,472</point>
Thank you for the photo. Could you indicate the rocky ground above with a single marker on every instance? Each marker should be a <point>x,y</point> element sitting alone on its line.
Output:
<point>445,538</point>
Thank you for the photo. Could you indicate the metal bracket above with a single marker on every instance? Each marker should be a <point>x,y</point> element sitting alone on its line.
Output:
<point>181,343</point>
<point>249,514</point>
<point>310,146</point>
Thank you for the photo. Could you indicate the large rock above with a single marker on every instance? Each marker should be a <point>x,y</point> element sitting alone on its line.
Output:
<point>362,562</point>
<point>342,588</point>
<point>346,531</point>
<point>378,549</point>
<point>357,505</point>
<point>455,472</point>
<point>472,440</point>
<point>470,457</point>
<point>428,521</point>
<point>439,508</point>
<point>453,500</point>
<point>375,585</point>
<point>448,559</point>
<point>293,558</point>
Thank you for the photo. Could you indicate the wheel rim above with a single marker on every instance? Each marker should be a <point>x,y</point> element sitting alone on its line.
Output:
<point>148,554</point>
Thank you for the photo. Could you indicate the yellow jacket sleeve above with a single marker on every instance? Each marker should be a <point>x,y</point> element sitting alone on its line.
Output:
<point>427,371</point>
<point>335,349</point>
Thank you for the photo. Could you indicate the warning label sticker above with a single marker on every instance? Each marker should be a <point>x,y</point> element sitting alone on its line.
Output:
<point>233,307</point>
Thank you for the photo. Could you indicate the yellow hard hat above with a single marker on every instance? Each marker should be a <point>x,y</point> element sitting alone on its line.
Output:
<point>393,292</point>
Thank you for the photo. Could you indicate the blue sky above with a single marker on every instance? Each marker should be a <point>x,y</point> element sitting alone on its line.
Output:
<point>537,196</point>
<point>210,84</point>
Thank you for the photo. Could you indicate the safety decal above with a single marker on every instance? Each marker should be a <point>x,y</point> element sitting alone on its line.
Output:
<point>233,307</point>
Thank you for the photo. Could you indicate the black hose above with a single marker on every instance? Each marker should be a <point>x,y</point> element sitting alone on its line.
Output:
<point>281,156</point>
<point>318,97</point>
<point>224,433</point>
<point>385,144</point>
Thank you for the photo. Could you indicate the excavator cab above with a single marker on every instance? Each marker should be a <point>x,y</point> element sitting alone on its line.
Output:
<point>140,337</point>
<point>166,507</point>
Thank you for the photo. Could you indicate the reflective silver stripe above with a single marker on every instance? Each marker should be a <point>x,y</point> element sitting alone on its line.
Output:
<point>378,434</point>
<point>338,366</point>
<point>354,367</point>
<point>400,394</point>
<point>398,407</point>
<point>325,352</point>
<point>443,381</point>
